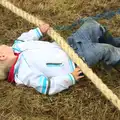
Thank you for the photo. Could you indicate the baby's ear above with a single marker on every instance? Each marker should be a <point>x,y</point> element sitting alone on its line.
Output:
<point>2,57</point>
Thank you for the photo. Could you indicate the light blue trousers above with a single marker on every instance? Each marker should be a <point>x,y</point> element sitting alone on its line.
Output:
<point>92,44</point>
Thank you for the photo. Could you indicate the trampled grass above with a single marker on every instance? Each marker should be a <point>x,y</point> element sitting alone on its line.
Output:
<point>82,101</point>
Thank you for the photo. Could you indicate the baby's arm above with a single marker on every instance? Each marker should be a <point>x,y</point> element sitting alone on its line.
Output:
<point>47,85</point>
<point>60,83</point>
<point>34,34</point>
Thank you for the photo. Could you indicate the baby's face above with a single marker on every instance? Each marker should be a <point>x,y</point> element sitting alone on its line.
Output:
<point>6,50</point>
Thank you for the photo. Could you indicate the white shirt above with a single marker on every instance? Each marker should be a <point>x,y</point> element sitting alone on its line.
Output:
<point>42,65</point>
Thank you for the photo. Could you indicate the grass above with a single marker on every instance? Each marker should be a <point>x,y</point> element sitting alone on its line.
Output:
<point>82,101</point>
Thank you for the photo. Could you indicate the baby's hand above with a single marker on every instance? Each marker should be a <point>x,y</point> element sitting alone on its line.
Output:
<point>44,28</point>
<point>77,74</point>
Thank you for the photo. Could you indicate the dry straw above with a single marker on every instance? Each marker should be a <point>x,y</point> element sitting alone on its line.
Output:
<point>55,36</point>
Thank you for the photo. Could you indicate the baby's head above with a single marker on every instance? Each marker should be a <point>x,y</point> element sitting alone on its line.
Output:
<point>7,58</point>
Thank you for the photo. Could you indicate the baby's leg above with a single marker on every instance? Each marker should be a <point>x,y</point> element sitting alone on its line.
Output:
<point>96,52</point>
<point>108,39</point>
<point>92,53</point>
<point>85,42</point>
<point>117,41</point>
<point>90,31</point>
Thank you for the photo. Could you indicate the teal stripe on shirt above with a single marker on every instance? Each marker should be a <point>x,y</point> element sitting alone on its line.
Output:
<point>71,65</point>
<point>44,85</point>
<point>37,32</point>
<point>40,83</point>
<point>54,64</point>
<point>16,49</point>
<point>71,79</point>
<point>18,41</point>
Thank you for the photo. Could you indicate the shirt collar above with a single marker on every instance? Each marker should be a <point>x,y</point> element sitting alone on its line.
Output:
<point>11,71</point>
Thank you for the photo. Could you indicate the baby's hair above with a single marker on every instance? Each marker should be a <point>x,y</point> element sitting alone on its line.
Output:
<point>3,72</point>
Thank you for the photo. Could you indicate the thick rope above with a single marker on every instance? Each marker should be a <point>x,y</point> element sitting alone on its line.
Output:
<point>86,70</point>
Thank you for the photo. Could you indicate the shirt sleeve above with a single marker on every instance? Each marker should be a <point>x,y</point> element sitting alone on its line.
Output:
<point>32,35</point>
<point>60,83</point>
<point>44,84</point>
